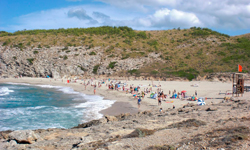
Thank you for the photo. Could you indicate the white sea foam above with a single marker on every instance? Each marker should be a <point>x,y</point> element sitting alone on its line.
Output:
<point>66,90</point>
<point>48,86</point>
<point>37,107</point>
<point>5,91</point>
<point>18,83</point>
<point>88,109</point>
<point>93,106</point>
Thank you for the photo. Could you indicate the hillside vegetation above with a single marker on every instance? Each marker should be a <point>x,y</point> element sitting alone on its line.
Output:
<point>178,52</point>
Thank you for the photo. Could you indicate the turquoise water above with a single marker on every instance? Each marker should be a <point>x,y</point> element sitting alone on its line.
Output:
<point>24,106</point>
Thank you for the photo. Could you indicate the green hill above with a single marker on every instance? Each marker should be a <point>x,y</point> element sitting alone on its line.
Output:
<point>178,52</point>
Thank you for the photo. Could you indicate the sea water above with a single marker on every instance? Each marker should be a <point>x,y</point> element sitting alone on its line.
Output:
<point>24,106</point>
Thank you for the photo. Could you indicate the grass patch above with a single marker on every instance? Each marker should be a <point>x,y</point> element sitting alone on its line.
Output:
<point>134,72</point>
<point>190,73</point>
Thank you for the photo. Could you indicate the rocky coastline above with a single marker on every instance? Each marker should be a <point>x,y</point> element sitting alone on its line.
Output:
<point>217,126</point>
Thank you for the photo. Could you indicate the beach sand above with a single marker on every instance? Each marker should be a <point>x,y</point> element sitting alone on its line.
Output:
<point>125,103</point>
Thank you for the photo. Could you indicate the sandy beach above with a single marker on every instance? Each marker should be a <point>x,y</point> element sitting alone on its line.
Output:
<point>219,124</point>
<point>213,92</point>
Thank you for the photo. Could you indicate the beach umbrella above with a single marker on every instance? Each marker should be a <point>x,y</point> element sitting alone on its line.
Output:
<point>184,91</point>
<point>201,102</point>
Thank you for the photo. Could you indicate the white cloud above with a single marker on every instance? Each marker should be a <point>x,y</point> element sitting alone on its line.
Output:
<point>224,13</point>
<point>143,14</point>
<point>165,18</point>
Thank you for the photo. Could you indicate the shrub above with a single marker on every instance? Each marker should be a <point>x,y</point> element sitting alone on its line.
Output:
<point>95,69</point>
<point>30,60</point>
<point>6,42</point>
<point>125,56</point>
<point>112,55</point>
<point>39,46</point>
<point>14,57</point>
<point>110,48</point>
<point>65,57</point>
<point>112,65</point>
<point>154,72</point>
<point>188,56</point>
<point>69,44</point>
<point>67,51</point>
<point>65,48</point>
<point>127,41</point>
<point>134,71</point>
<point>35,52</point>
<point>83,69</point>
<point>20,45</point>
<point>221,54</point>
<point>152,43</point>
<point>142,34</point>
<point>92,53</point>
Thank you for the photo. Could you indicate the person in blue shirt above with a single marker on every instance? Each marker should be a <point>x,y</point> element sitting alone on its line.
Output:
<point>139,102</point>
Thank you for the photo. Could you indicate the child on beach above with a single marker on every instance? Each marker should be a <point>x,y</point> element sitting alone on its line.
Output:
<point>139,102</point>
<point>161,111</point>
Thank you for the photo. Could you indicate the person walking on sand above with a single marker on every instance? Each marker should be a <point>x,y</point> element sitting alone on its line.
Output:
<point>195,93</point>
<point>94,89</point>
<point>139,102</point>
<point>159,100</point>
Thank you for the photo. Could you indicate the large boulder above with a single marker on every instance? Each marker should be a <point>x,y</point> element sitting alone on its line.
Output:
<point>111,118</point>
<point>24,136</point>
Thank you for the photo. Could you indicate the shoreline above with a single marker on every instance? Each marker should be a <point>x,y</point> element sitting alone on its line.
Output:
<point>114,109</point>
<point>125,103</point>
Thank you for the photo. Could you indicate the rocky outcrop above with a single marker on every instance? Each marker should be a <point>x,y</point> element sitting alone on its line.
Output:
<point>24,136</point>
<point>57,62</point>
<point>138,131</point>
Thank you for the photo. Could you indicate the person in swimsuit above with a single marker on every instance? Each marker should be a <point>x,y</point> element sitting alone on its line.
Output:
<point>94,89</point>
<point>159,100</point>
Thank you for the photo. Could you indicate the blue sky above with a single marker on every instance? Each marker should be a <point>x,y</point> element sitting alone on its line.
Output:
<point>226,16</point>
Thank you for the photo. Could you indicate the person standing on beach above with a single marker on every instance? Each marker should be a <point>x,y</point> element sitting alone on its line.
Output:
<point>139,102</point>
<point>195,93</point>
<point>94,89</point>
<point>159,100</point>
